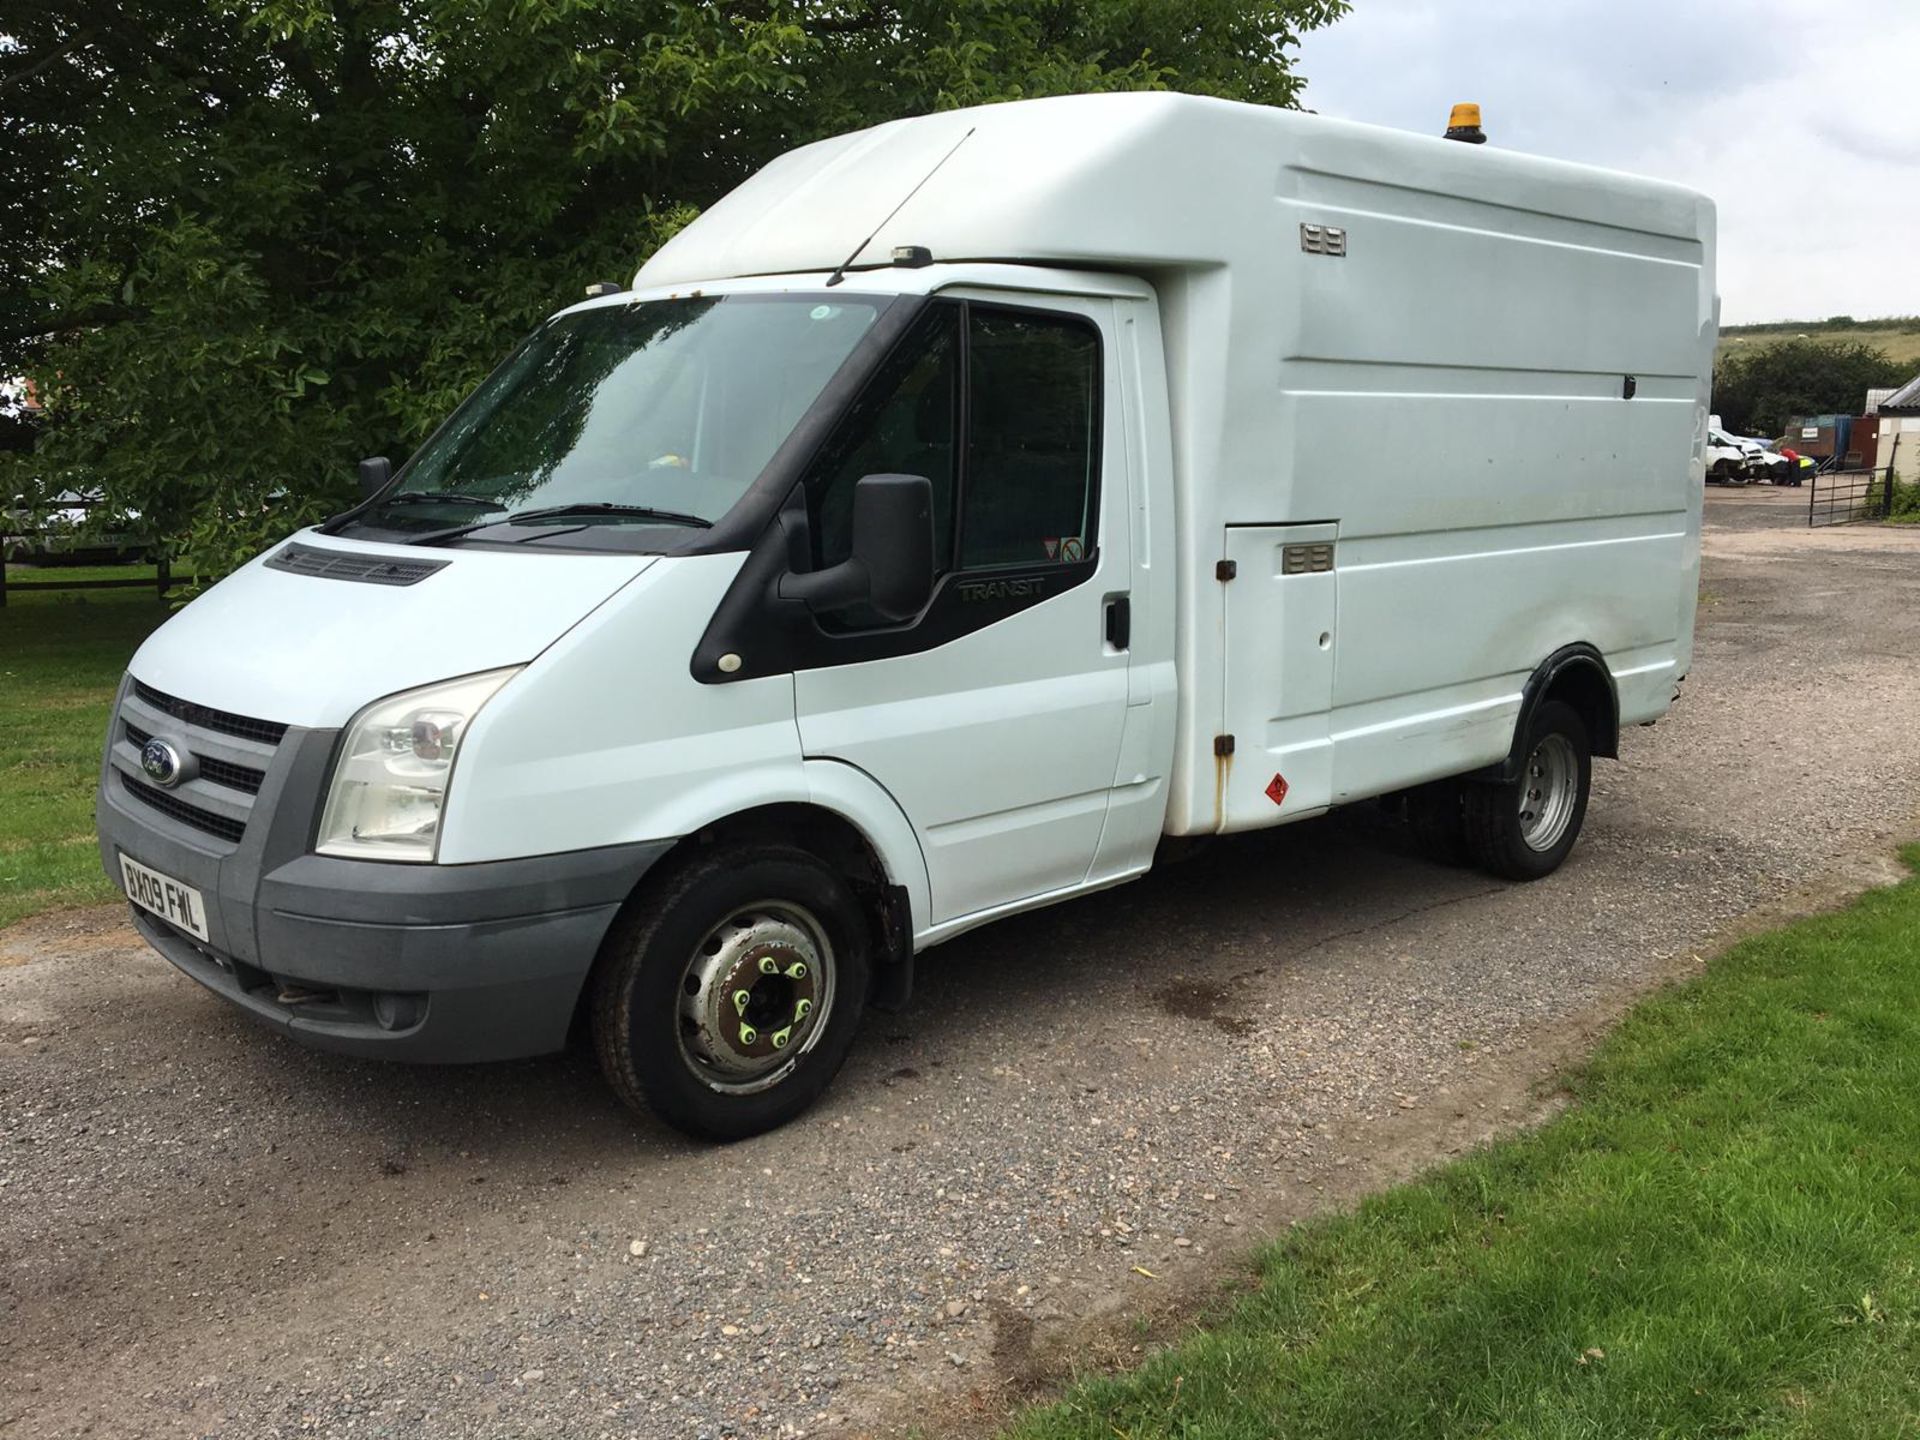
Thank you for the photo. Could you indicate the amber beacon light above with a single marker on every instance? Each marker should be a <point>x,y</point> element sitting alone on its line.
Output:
<point>1464,124</point>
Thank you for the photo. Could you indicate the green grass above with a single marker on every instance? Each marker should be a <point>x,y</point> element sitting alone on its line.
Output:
<point>1722,1238</point>
<point>25,576</point>
<point>1900,338</point>
<point>61,654</point>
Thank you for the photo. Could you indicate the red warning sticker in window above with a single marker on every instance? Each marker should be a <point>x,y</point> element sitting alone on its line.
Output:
<point>1277,789</point>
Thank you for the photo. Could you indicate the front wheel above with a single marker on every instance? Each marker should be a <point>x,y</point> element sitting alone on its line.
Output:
<point>728,996</point>
<point>1523,829</point>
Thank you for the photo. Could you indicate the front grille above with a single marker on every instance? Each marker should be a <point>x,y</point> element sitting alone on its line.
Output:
<point>234,777</point>
<point>220,772</point>
<point>265,731</point>
<point>186,814</point>
<point>232,756</point>
<point>349,565</point>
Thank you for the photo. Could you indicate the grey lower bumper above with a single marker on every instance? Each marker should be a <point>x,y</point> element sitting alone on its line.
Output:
<point>475,990</point>
<point>411,962</point>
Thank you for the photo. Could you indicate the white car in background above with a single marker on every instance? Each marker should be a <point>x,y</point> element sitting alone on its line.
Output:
<point>1726,458</point>
<point>1736,459</point>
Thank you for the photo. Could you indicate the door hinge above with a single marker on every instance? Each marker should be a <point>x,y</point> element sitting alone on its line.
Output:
<point>1226,570</point>
<point>1223,744</point>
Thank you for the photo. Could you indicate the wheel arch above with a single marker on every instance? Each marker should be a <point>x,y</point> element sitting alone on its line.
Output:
<point>1576,674</point>
<point>849,821</point>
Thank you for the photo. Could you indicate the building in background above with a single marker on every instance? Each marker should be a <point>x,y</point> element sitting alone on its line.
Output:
<point>1898,414</point>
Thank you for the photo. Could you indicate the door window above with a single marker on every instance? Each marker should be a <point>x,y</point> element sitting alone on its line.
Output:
<point>1029,481</point>
<point>905,428</point>
<point>1022,490</point>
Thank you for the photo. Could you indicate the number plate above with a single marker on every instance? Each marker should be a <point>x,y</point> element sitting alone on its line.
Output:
<point>166,897</point>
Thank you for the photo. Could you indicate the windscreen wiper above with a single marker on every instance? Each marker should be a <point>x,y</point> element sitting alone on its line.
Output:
<point>443,497</point>
<point>359,512</point>
<point>561,512</point>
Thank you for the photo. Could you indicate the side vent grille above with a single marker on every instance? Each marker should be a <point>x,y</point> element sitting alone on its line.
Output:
<point>1305,559</point>
<point>348,565</point>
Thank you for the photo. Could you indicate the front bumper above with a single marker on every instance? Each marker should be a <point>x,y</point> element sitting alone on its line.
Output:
<point>434,963</point>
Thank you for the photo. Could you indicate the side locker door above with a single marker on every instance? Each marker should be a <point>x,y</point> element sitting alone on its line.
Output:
<point>1280,637</point>
<point>995,719</point>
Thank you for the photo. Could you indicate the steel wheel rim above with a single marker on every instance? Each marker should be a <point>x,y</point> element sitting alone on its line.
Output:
<point>1549,786</point>
<point>777,955</point>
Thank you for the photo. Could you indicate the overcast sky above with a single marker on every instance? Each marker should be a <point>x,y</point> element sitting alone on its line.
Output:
<point>1801,118</point>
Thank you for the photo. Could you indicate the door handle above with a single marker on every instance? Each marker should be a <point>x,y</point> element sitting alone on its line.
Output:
<point>1119,622</point>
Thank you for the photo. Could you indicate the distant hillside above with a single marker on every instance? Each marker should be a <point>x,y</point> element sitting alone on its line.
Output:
<point>1898,335</point>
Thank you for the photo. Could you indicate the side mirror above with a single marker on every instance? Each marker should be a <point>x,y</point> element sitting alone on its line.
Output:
<point>374,475</point>
<point>891,567</point>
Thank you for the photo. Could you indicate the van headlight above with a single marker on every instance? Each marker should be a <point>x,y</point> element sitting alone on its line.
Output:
<point>389,785</point>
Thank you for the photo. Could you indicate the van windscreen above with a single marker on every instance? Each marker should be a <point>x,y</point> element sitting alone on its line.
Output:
<point>655,412</point>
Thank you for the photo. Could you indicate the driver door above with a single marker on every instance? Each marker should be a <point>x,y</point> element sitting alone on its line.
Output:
<point>995,718</point>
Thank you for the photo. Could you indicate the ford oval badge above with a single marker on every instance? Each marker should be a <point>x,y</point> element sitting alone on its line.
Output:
<point>161,762</point>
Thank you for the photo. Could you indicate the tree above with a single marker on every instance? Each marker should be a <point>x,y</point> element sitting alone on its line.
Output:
<point>1758,391</point>
<point>257,241</point>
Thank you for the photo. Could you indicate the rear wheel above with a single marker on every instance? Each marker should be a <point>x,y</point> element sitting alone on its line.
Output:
<point>728,996</point>
<point>1523,829</point>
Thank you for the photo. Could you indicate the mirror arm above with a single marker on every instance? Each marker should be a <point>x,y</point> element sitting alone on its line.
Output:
<point>847,583</point>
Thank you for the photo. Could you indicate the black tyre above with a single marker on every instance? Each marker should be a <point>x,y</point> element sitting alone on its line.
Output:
<point>1524,829</point>
<point>1436,815</point>
<point>728,994</point>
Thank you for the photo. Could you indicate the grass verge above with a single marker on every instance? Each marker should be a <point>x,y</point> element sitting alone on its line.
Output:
<point>61,654</point>
<point>1721,1238</point>
<point>24,577</point>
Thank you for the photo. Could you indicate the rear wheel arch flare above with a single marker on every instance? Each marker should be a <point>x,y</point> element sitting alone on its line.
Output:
<point>1576,675</point>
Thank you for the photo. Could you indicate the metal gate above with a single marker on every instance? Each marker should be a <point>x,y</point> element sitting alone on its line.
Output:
<point>1840,497</point>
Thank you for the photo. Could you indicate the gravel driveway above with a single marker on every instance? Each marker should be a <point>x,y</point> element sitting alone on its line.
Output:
<point>1086,1117</point>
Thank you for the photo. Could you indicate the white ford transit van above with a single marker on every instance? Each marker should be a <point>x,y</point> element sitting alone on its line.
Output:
<point>951,513</point>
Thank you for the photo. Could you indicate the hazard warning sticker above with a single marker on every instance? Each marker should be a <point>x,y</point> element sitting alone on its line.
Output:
<point>1277,789</point>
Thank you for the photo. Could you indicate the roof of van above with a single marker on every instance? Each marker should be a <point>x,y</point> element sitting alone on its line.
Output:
<point>1126,181</point>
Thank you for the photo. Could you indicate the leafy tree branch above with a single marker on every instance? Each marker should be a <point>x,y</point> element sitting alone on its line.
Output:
<point>252,240</point>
